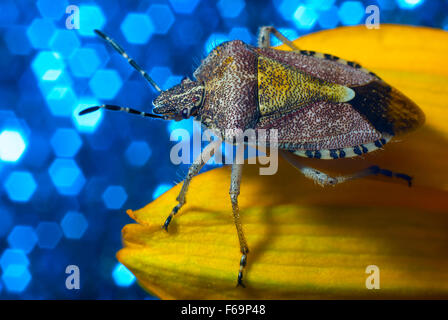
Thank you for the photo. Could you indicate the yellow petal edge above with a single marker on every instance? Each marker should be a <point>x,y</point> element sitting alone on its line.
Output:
<point>308,242</point>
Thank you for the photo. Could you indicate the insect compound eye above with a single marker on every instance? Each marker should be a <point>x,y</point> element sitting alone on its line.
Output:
<point>185,113</point>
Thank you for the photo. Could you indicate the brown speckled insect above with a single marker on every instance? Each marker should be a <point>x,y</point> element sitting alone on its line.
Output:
<point>322,106</point>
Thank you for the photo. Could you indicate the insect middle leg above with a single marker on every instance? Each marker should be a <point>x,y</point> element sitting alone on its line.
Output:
<point>324,179</point>
<point>235,182</point>
<point>194,169</point>
<point>264,38</point>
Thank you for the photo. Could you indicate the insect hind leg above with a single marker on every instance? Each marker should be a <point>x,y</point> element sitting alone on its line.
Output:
<point>234,191</point>
<point>375,170</point>
<point>324,179</point>
<point>264,38</point>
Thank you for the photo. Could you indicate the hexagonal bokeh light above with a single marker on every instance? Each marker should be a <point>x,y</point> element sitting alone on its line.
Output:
<point>286,8</point>
<point>66,142</point>
<point>57,79</point>
<point>138,153</point>
<point>90,17</point>
<point>122,276</point>
<point>305,17</point>
<point>20,186</point>
<point>114,197</point>
<point>160,189</point>
<point>13,257</point>
<point>214,40</point>
<point>188,32</point>
<point>65,42</point>
<point>137,28</point>
<point>184,6</point>
<point>321,5</point>
<point>160,74</point>
<point>16,278</point>
<point>230,8</point>
<point>105,83</point>
<point>192,127</point>
<point>48,234</point>
<point>67,177</point>
<point>409,4</point>
<point>9,11</point>
<point>162,17</point>
<point>171,81</point>
<point>239,33</point>
<point>387,4</point>
<point>74,225</point>
<point>329,19</point>
<point>351,12</point>
<point>40,32</point>
<point>61,101</point>
<point>52,9</point>
<point>17,41</point>
<point>48,65</point>
<point>84,62</point>
<point>12,146</point>
<point>23,238</point>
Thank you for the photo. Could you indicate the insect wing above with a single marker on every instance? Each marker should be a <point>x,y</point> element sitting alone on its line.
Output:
<point>333,124</point>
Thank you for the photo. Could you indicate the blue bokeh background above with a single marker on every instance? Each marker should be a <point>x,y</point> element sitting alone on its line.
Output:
<point>67,180</point>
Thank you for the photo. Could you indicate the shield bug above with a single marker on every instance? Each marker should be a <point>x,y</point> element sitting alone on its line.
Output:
<point>322,106</point>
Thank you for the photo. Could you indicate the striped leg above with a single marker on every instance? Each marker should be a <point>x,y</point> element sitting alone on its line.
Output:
<point>237,170</point>
<point>194,169</point>
<point>264,38</point>
<point>323,179</point>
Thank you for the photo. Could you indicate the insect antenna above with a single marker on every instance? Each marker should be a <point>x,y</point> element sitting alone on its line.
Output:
<point>118,108</point>
<point>131,61</point>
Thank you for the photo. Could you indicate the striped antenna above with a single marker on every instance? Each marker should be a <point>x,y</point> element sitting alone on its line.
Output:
<point>118,108</point>
<point>131,61</point>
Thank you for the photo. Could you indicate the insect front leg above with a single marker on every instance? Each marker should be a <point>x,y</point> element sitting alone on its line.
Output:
<point>194,169</point>
<point>264,38</point>
<point>324,179</point>
<point>235,182</point>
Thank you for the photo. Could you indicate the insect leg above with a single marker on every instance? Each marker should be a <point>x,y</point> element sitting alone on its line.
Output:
<point>264,38</point>
<point>235,182</point>
<point>324,179</point>
<point>194,169</point>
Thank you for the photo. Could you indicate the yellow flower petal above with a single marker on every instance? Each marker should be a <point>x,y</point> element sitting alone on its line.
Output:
<point>311,242</point>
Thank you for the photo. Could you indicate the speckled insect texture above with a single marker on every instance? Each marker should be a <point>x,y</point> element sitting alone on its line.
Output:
<point>322,107</point>
<point>318,102</point>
